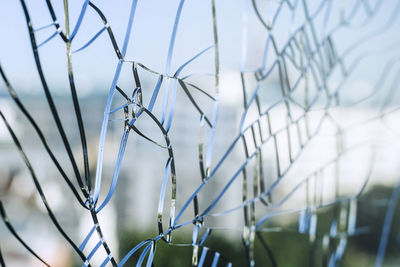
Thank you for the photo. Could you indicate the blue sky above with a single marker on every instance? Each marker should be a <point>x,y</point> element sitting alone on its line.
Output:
<point>153,22</point>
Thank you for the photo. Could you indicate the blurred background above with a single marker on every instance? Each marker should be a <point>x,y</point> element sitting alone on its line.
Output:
<point>304,164</point>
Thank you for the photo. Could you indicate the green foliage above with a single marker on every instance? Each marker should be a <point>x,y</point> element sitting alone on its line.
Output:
<point>371,214</point>
<point>288,248</point>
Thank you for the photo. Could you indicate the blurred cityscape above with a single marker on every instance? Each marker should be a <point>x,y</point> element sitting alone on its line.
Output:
<point>304,162</point>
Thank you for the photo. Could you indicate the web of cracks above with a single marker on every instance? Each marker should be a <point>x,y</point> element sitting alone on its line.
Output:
<point>313,60</point>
